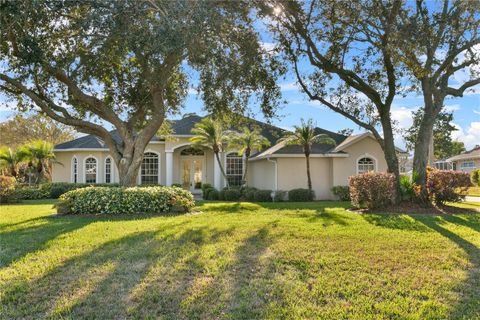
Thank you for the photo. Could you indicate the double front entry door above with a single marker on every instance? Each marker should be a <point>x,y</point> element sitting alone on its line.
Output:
<point>192,174</point>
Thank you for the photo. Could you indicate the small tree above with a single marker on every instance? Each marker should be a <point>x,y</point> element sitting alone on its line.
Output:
<point>40,155</point>
<point>246,141</point>
<point>305,135</point>
<point>10,159</point>
<point>211,134</point>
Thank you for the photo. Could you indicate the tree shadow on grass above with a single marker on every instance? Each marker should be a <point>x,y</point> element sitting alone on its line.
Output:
<point>21,241</point>
<point>394,221</point>
<point>468,306</point>
<point>112,280</point>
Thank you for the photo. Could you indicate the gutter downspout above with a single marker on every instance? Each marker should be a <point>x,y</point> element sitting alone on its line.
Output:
<point>275,186</point>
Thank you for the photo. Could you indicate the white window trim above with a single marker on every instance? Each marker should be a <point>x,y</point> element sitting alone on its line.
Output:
<point>226,154</point>
<point>85,168</point>
<point>462,165</point>
<point>367,155</point>
<point>112,174</point>
<point>139,176</point>
<point>72,173</point>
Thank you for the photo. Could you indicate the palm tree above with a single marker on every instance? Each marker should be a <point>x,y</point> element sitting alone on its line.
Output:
<point>246,141</point>
<point>40,155</point>
<point>211,134</point>
<point>305,136</point>
<point>10,159</point>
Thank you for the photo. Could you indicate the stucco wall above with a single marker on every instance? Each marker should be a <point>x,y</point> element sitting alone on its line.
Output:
<point>261,174</point>
<point>459,163</point>
<point>346,167</point>
<point>292,174</point>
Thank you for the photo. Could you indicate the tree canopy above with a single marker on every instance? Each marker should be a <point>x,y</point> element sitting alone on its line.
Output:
<point>22,129</point>
<point>130,63</point>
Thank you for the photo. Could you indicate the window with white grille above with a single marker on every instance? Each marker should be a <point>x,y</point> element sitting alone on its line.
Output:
<point>149,171</point>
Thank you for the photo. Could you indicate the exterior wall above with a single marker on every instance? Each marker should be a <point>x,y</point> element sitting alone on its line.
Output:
<point>458,165</point>
<point>292,174</point>
<point>63,172</point>
<point>346,167</point>
<point>261,174</point>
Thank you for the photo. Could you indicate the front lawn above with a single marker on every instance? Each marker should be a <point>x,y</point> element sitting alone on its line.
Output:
<point>239,261</point>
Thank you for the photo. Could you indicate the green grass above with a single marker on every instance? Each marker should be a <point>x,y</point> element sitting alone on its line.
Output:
<point>239,261</point>
<point>473,192</point>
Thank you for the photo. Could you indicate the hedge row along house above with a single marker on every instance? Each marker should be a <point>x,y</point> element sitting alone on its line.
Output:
<point>176,160</point>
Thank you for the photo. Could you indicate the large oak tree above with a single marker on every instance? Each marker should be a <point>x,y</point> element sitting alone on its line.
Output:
<point>130,63</point>
<point>437,41</point>
<point>342,55</point>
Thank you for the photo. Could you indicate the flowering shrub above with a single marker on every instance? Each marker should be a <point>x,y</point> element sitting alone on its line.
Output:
<point>441,185</point>
<point>7,189</point>
<point>372,189</point>
<point>117,200</point>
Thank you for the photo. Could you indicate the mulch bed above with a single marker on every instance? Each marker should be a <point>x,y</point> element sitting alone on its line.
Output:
<point>415,208</point>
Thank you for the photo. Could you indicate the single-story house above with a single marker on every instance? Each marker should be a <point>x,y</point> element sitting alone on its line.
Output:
<point>466,161</point>
<point>175,160</point>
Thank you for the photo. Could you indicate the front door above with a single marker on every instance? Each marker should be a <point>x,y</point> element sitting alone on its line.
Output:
<point>192,174</point>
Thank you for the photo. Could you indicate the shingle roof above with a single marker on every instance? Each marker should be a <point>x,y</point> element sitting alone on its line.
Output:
<point>471,154</point>
<point>182,126</point>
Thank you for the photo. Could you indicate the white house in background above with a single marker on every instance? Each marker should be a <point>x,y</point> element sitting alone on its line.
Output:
<point>466,161</point>
<point>175,160</point>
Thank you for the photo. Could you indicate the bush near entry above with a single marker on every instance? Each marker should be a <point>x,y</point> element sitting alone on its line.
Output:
<point>117,200</point>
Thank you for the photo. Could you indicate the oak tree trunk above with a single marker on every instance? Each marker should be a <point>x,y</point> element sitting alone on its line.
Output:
<point>391,158</point>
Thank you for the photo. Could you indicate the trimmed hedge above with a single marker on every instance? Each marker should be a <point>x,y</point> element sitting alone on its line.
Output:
<point>231,195</point>
<point>300,195</point>
<point>342,192</point>
<point>52,190</point>
<point>7,189</point>
<point>280,196</point>
<point>212,194</point>
<point>372,189</point>
<point>262,195</point>
<point>118,200</point>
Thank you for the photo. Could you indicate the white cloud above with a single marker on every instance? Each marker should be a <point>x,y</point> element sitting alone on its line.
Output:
<point>403,116</point>
<point>289,86</point>
<point>451,108</point>
<point>470,136</point>
<point>269,46</point>
<point>476,111</point>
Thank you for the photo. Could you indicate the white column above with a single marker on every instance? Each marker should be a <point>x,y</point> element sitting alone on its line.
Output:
<point>169,167</point>
<point>217,174</point>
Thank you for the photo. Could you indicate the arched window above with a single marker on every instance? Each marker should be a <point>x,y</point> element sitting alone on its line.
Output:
<point>234,169</point>
<point>74,170</point>
<point>192,151</point>
<point>149,173</point>
<point>90,170</point>
<point>108,170</point>
<point>365,164</point>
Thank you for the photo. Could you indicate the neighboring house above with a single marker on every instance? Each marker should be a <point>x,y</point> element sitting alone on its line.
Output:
<point>466,161</point>
<point>175,160</point>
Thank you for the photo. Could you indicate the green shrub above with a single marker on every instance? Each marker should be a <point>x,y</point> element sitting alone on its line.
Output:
<point>206,188</point>
<point>249,195</point>
<point>280,196</point>
<point>231,194</point>
<point>221,195</point>
<point>7,189</point>
<point>475,177</point>
<point>300,195</point>
<point>372,189</point>
<point>178,185</point>
<point>212,194</point>
<point>207,192</point>
<point>441,185</point>
<point>262,195</point>
<point>342,192</point>
<point>406,188</point>
<point>117,200</point>
<point>53,190</point>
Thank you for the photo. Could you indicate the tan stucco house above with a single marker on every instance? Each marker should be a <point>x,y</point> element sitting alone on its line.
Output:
<point>466,161</point>
<point>174,160</point>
